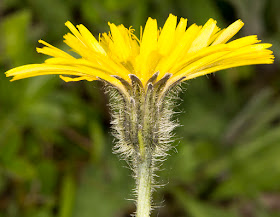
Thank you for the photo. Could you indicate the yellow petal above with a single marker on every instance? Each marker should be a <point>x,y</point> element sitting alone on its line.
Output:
<point>69,79</point>
<point>250,50</point>
<point>165,41</point>
<point>242,42</point>
<point>198,65</point>
<point>183,53</point>
<point>46,69</point>
<point>52,51</point>
<point>199,55</point>
<point>90,39</point>
<point>73,29</point>
<point>227,66</point>
<point>77,45</point>
<point>229,32</point>
<point>180,30</point>
<point>167,64</point>
<point>120,47</point>
<point>148,45</point>
<point>203,37</point>
<point>149,38</point>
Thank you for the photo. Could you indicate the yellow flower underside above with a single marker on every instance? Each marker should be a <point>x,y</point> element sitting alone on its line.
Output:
<point>186,53</point>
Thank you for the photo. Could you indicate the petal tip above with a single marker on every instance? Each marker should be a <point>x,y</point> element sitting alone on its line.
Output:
<point>67,23</point>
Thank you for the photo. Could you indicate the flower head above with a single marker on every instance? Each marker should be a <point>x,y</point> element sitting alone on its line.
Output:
<point>174,51</point>
<point>144,70</point>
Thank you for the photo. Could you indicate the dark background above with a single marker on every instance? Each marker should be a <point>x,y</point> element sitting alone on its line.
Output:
<point>55,142</point>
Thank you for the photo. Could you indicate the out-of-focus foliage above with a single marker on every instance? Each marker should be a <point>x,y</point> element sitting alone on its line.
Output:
<point>55,143</point>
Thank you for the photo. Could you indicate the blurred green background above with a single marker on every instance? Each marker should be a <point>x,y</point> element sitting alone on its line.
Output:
<point>55,142</point>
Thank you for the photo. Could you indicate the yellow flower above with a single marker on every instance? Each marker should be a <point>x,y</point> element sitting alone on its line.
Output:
<point>144,70</point>
<point>183,53</point>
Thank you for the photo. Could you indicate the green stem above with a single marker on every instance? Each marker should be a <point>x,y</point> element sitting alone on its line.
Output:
<point>144,181</point>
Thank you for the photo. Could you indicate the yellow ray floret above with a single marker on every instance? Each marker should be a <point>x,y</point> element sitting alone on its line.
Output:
<point>184,52</point>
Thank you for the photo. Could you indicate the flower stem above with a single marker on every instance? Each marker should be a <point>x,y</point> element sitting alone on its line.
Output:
<point>144,180</point>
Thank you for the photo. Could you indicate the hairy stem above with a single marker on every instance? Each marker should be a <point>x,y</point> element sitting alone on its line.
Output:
<point>144,180</point>
<point>143,125</point>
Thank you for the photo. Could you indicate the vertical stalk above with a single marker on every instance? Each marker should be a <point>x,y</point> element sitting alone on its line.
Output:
<point>143,125</point>
<point>144,180</point>
<point>144,189</point>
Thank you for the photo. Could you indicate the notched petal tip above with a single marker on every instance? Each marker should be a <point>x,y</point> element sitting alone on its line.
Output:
<point>45,43</point>
<point>39,49</point>
<point>239,23</point>
<point>79,78</point>
<point>229,32</point>
<point>68,23</point>
<point>65,78</point>
<point>210,20</point>
<point>12,72</point>
<point>13,79</point>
